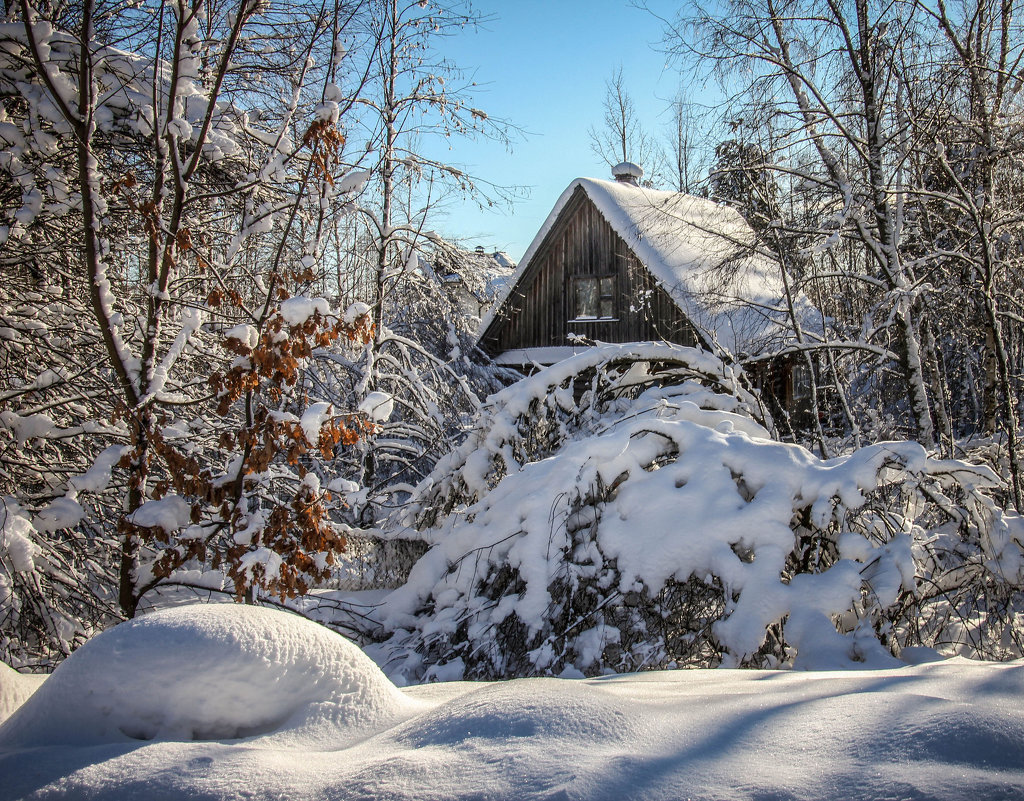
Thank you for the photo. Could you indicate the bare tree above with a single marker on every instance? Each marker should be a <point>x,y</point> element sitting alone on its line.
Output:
<point>623,137</point>
<point>976,148</point>
<point>685,145</point>
<point>413,99</point>
<point>831,71</point>
<point>164,211</point>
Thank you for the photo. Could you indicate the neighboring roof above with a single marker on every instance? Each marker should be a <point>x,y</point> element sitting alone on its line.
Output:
<point>699,251</point>
<point>486,275</point>
<point>499,270</point>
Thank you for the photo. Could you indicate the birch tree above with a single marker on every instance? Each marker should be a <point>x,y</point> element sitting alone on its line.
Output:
<point>976,150</point>
<point>832,71</point>
<point>415,103</point>
<point>622,136</point>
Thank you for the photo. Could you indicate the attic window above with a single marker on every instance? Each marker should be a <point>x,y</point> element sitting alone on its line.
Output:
<point>594,297</point>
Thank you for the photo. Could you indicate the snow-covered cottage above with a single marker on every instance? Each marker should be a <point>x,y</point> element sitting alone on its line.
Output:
<point>618,262</point>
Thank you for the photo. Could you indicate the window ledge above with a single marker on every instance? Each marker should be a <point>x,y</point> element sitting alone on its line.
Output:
<point>594,320</point>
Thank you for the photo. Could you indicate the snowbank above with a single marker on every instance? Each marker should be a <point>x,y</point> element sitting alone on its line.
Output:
<point>212,672</point>
<point>15,689</point>
<point>945,730</point>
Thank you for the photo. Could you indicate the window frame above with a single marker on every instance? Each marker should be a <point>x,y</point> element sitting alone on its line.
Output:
<point>602,297</point>
<point>800,378</point>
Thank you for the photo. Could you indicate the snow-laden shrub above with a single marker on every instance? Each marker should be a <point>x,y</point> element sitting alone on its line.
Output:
<point>615,513</point>
<point>47,605</point>
<point>574,398</point>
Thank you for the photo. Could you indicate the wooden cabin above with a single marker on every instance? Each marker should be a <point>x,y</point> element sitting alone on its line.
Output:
<point>618,262</point>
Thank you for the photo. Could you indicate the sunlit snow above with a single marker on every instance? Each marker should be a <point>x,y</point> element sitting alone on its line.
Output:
<point>228,701</point>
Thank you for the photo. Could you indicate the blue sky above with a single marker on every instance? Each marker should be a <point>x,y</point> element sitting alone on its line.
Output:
<point>542,64</point>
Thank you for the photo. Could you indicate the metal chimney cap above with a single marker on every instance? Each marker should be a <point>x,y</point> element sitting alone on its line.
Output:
<point>628,173</point>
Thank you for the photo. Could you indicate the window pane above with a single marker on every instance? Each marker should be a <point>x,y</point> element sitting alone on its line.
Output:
<point>607,287</point>
<point>587,298</point>
<point>801,381</point>
<point>607,309</point>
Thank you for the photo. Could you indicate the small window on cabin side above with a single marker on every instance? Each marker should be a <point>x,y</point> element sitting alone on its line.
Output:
<point>801,381</point>
<point>594,297</point>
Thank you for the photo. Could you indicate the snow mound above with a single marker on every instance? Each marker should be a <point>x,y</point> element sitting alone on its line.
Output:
<point>949,731</point>
<point>544,709</point>
<point>15,689</point>
<point>209,672</point>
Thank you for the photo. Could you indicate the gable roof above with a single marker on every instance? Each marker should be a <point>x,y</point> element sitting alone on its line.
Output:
<point>700,252</point>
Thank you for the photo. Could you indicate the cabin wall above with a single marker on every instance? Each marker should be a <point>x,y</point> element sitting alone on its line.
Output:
<point>540,312</point>
<point>784,385</point>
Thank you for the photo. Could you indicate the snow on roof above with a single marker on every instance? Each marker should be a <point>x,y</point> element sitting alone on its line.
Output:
<point>701,253</point>
<point>542,356</point>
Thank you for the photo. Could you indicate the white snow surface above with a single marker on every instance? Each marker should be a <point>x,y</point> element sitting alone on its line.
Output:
<point>378,406</point>
<point>297,310</point>
<point>354,181</point>
<point>244,333</point>
<point>209,672</point>
<point>355,311</point>
<point>701,254</point>
<point>169,513</point>
<point>628,168</point>
<point>292,710</point>
<point>15,689</point>
<point>314,418</point>
<point>542,356</point>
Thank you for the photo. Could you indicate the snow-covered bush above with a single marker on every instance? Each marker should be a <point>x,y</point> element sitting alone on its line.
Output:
<point>574,398</point>
<point>624,510</point>
<point>47,606</point>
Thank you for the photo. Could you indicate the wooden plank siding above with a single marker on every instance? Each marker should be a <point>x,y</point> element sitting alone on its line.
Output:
<point>539,311</point>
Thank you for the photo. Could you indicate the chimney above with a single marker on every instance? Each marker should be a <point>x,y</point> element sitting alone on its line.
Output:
<point>480,249</point>
<point>628,173</point>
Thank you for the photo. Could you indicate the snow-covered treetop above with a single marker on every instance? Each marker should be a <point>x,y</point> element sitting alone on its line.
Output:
<point>703,254</point>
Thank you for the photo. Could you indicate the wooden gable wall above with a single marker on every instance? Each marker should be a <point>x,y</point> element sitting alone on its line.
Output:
<point>539,312</point>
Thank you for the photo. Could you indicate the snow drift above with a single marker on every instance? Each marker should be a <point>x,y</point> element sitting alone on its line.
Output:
<point>208,673</point>
<point>950,730</point>
<point>15,689</point>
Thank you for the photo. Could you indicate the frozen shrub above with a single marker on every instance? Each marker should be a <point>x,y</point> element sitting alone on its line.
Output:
<point>625,510</point>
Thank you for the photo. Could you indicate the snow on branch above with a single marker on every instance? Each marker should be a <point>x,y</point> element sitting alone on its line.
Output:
<point>664,526</point>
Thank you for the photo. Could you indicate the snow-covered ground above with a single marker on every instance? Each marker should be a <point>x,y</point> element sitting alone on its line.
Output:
<point>223,701</point>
